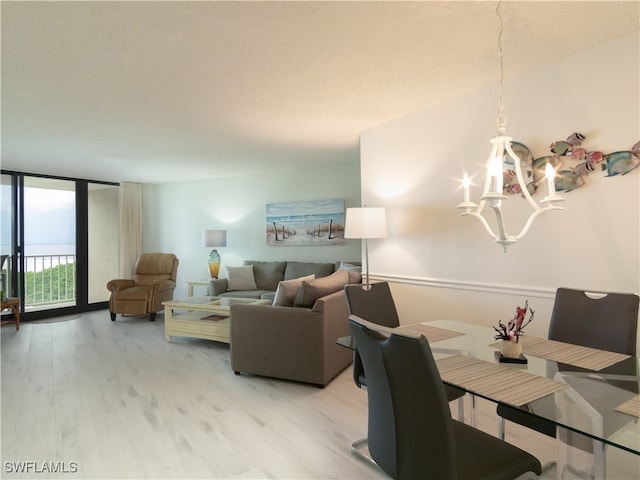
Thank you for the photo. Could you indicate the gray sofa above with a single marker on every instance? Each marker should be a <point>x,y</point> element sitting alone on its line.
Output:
<point>295,339</point>
<point>267,275</point>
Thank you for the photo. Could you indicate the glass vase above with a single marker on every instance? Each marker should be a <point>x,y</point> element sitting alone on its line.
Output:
<point>214,263</point>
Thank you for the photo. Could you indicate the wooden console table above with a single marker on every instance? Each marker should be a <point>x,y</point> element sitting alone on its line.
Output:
<point>13,304</point>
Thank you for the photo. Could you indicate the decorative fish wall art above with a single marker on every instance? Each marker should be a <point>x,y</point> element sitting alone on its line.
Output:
<point>572,163</point>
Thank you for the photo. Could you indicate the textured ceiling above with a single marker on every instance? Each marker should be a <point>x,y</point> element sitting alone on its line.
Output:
<point>168,91</point>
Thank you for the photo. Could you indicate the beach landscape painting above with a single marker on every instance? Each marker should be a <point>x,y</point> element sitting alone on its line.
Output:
<point>314,222</point>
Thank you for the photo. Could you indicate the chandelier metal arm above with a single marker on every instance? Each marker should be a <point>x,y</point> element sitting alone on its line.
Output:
<point>521,181</point>
<point>502,237</point>
<point>483,221</point>
<point>532,217</point>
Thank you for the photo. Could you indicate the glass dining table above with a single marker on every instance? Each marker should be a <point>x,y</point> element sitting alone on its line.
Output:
<point>590,395</point>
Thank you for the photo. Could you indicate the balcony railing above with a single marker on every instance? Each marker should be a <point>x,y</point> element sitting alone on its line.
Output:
<point>49,280</point>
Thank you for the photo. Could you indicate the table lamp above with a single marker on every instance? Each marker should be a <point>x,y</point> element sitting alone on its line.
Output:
<point>214,238</point>
<point>365,223</point>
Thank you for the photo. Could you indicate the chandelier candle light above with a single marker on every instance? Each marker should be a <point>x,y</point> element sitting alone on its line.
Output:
<point>214,238</point>
<point>493,192</point>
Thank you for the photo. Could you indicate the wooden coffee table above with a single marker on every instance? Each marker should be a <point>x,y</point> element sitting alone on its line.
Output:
<point>202,317</point>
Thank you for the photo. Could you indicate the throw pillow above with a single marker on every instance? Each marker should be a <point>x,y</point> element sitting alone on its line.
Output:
<point>311,290</point>
<point>349,267</point>
<point>241,278</point>
<point>287,289</point>
<point>355,276</point>
<point>355,271</point>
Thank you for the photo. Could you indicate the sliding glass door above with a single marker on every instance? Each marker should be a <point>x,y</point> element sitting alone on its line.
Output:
<point>8,287</point>
<point>49,267</point>
<point>59,242</point>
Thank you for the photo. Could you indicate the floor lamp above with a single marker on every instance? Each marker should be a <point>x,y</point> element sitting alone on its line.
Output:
<point>365,223</point>
<point>214,238</point>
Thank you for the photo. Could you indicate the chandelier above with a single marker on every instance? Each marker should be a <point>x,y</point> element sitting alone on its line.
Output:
<point>493,191</point>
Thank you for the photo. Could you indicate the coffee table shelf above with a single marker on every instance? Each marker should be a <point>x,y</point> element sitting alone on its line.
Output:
<point>188,317</point>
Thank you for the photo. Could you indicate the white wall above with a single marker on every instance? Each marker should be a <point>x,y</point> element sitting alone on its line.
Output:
<point>446,266</point>
<point>103,208</point>
<point>175,215</point>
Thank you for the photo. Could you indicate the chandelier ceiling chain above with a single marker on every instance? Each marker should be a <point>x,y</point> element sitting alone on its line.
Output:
<point>502,121</point>
<point>501,154</point>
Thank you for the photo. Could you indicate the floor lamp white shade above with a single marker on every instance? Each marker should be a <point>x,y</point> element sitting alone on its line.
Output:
<point>365,223</point>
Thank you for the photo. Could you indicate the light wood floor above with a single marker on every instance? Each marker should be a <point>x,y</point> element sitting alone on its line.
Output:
<point>115,400</point>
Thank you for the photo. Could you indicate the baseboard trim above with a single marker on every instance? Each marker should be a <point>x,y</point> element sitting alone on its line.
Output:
<point>495,288</point>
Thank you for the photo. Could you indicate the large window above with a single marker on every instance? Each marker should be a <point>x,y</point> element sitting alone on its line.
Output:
<point>49,267</point>
<point>59,242</point>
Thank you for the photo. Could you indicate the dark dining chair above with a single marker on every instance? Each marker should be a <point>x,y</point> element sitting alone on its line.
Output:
<point>411,432</point>
<point>375,303</point>
<point>602,320</point>
<point>380,439</point>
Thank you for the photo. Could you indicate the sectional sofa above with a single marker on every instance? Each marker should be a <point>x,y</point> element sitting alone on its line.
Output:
<point>294,338</point>
<point>259,279</point>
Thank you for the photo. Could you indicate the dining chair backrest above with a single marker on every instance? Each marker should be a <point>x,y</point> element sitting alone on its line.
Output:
<point>381,429</point>
<point>604,321</point>
<point>375,304</point>
<point>425,438</point>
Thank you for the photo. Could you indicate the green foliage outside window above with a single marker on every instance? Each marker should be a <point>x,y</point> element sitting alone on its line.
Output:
<point>51,285</point>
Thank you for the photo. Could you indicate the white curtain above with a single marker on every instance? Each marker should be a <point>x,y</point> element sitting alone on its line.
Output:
<point>130,227</point>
